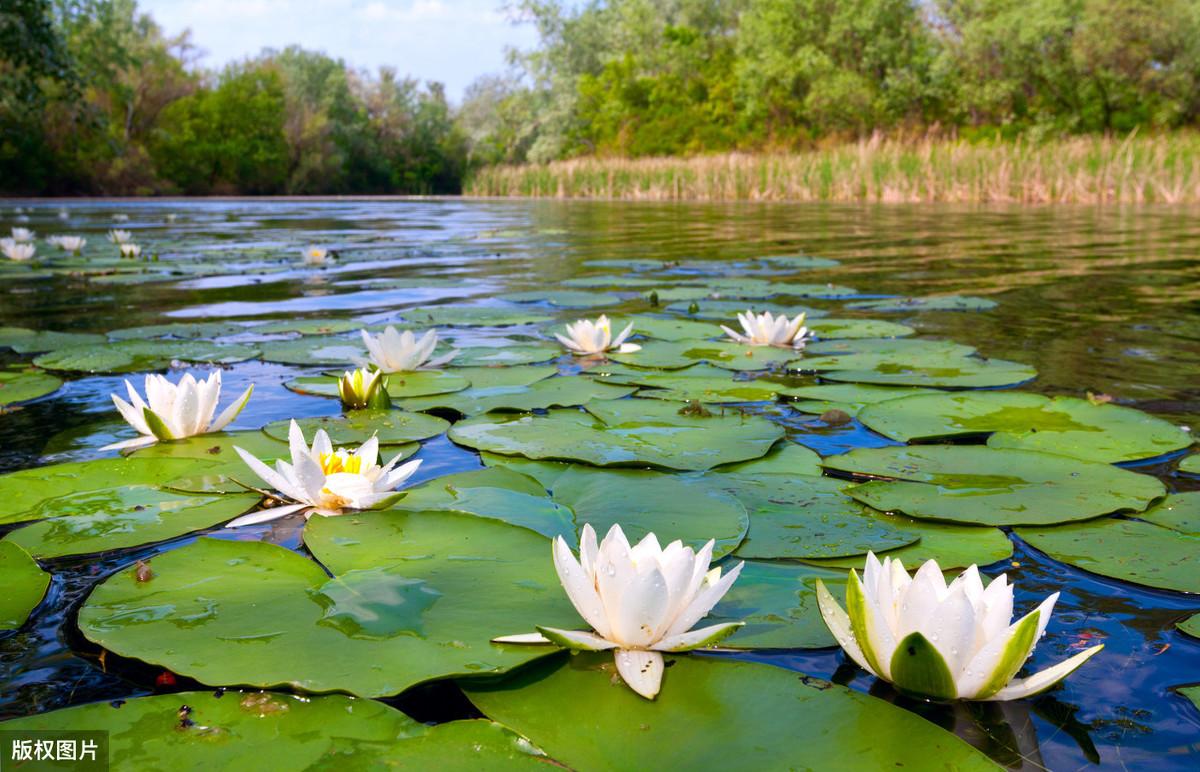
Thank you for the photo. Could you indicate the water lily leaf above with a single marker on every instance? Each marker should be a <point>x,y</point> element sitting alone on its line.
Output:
<point>942,303</point>
<point>26,341</point>
<point>664,328</point>
<point>565,391</point>
<point>25,585</point>
<point>727,310</point>
<point>313,350</point>
<point>986,486</point>
<point>1191,626</point>
<point>787,458</point>
<point>26,385</point>
<point>669,355</point>
<point>1065,425</point>
<point>671,506</point>
<point>569,706</point>
<point>192,330</point>
<point>1129,550</point>
<point>953,546</point>
<point>1191,464</point>
<point>221,464</point>
<point>777,602</point>
<point>623,432</point>
<point>27,493</point>
<point>100,521</point>
<point>608,282</point>
<point>306,327</point>
<point>257,618</point>
<point>832,329</point>
<point>127,356</point>
<point>301,733</point>
<point>713,390</point>
<point>850,398</point>
<point>1179,512</point>
<point>505,356</point>
<point>899,350</point>
<point>798,262</point>
<point>473,316</point>
<point>500,494</point>
<point>392,427</point>
<point>488,377</point>
<point>562,298</point>
<point>965,373</point>
<point>418,383</point>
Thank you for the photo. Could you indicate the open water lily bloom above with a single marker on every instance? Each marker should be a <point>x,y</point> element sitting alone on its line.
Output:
<point>324,481</point>
<point>174,411</point>
<point>119,236</point>
<point>130,251</point>
<point>640,601</point>
<point>766,329</point>
<point>588,338</point>
<point>70,243</point>
<point>316,255</point>
<point>400,352</point>
<point>16,250</point>
<point>22,234</point>
<point>941,641</point>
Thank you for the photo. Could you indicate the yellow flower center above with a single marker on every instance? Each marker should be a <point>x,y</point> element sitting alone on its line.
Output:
<point>340,461</point>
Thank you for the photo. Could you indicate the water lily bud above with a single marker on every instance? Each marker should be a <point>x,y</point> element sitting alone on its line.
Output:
<point>364,390</point>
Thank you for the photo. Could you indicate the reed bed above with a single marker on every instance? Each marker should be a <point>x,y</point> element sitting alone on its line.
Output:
<point>1085,170</point>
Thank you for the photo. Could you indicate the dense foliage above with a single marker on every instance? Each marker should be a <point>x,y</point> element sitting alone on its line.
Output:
<point>94,98</point>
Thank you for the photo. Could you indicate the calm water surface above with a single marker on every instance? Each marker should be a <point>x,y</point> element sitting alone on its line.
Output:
<point>1098,300</point>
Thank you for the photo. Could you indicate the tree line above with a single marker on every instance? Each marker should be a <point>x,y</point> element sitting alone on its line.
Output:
<point>95,98</point>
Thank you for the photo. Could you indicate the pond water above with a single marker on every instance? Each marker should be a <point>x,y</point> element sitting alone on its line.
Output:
<point>1099,301</point>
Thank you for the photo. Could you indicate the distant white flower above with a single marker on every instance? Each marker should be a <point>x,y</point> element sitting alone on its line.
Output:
<point>322,481</point>
<point>63,214</point>
<point>174,411</point>
<point>939,641</point>
<point>73,244</point>
<point>120,217</point>
<point>172,217</point>
<point>316,255</point>
<point>119,236</point>
<point>396,352</point>
<point>767,330</point>
<point>15,250</point>
<point>640,600</point>
<point>22,234</point>
<point>130,251</point>
<point>587,338</point>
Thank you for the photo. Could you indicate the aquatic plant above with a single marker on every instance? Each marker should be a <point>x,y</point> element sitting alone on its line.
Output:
<point>173,411</point>
<point>589,338</point>
<point>400,352</point>
<point>767,330</point>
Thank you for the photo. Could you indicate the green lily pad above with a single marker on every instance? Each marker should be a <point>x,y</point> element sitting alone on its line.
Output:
<point>786,458</point>
<point>392,427</point>
<point>1191,626</point>
<point>313,350</point>
<point>610,282</point>
<point>419,383</point>
<point>664,328</point>
<point>127,356</point>
<point>26,341</point>
<point>25,585</point>
<point>192,330</point>
<point>301,733</point>
<point>623,432</point>
<point>777,601</point>
<point>952,546</point>
<point>942,303</point>
<point>562,298</point>
<point>221,464</point>
<point>1129,550</point>
<point>671,506</point>
<point>26,385</point>
<point>986,486</point>
<point>505,356</point>
<point>850,398</point>
<point>499,494</point>
<point>798,262</point>
<point>473,316</point>
<point>488,377</point>
<point>670,355</point>
<point>415,596</point>
<point>570,707</point>
<point>1065,425</point>
<point>27,493</point>
<point>727,310</point>
<point>100,521</point>
<point>1179,512</point>
<point>1191,464</point>
<point>683,387</point>
<point>564,391</point>
<point>832,329</point>
<point>899,350</point>
<point>306,327</point>
<point>909,362</point>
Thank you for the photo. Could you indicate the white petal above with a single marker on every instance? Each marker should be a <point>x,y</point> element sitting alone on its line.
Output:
<point>838,622</point>
<point>708,596</point>
<point>231,412</point>
<point>271,477</point>
<point>533,639</point>
<point>643,610</point>
<point>699,638</point>
<point>579,588</point>
<point>265,515</point>
<point>1020,688</point>
<point>576,640</point>
<point>642,670</point>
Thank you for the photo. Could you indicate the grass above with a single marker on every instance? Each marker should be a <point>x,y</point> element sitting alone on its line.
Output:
<point>1087,170</point>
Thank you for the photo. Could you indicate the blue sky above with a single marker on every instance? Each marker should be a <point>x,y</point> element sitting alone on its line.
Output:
<point>452,41</point>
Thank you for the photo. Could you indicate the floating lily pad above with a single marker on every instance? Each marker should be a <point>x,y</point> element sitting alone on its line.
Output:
<point>26,385</point>
<point>727,310</point>
<point>1132,551</point>
<point>499,494</point>
<point>1191,626</point>
<point>473,316</point>
<point>415,596</point>
<point>786,458</point>
<point>506,356</point>
<point>99,521</point>
<point>798,262</point>
<point>727,710</point>
<point>986,486</point>
<point>829,329</point>
<point>1191,464</point>
<point>952,546</point>
<point>27,494</point>
<point>488,377</point>
<point>942,303</point>
<point>663,328</point>
<point>1064,425</point>
<point>965,373</point>
<point>392,427</point>
<point>565,391</point>
<point>301,733</point>
<point>710,390</point>
<point>562,298</point>
<point>26,341</point>
<point>777,601</point>
<point>850,398</point>
<point>418,383</point>
<point>608,282</point>
<point>729,355</point>
<point>313,350</point>
<point>187,330</point>
<point>25,585</point>
<point>129,356</point>
<point>623,432</point>
<point>1179,512</point>
<point>671,506</point>
<point>306,327</point>
<point>220,464</point>
<point>900,350</point>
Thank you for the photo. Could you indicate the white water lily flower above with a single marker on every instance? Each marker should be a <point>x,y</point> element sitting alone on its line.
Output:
<point>130,251</point>
<point>767,330</point>
<point>71,243</point>
<point>316,255</point>
<point>63,214</point>
<point>120,217</point>
<point>119,236</point>
<point>15,250</point>
<point>22,234</point>
<point>588,338</point>
<point>394,352</point>
<point>174,411</point>
<point>322,481</point>
<point>939,641</point>
<point>640,600</point>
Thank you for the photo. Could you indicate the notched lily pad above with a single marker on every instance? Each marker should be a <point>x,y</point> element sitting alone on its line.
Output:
<point>392,427</point>
<point>940,303</point>
<point>26,385</point>
<point>25,585</point>
<point>419,383</point>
